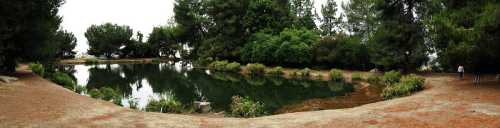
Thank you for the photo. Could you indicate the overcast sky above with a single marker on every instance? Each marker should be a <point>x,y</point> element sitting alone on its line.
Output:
<point>140,15</point>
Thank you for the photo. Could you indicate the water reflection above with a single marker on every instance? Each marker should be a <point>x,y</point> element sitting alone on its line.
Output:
<point>145,82</point>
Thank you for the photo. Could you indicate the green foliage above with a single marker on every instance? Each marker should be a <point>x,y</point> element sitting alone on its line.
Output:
<point>336,75</point>
<point>356,76</point>
<point>374,79</point>
<point>342,51</point>
<point>107,94</point>
<point>107,39</point>
<point>245,107</point>
<point>67,42</point>
<point>330,22</point>
<point>80,89</point>
<point>27,32</point>
<point>63,79</point>
<point>164,40</point>
<point>409,84</point>
<point>391,77</point>
<point>95,93</point>
<point>38,69</point>
<point>276,71</point>
<point>218,65</point>
<point>291,46</point>
<point>306,72</point>
<point>90,61</point>
<point>256,68</point>
<point>233,67</point>
<point>166,104</point>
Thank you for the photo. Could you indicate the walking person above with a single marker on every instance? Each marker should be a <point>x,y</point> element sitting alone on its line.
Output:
<point>461,72</point>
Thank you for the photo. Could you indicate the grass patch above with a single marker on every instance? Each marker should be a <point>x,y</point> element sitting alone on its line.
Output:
<point>233,67</point>
<point>107,94</point>
<point>408,85</point>
<point>167,103</point>
<point>63,79</point>
<point>245,107</point>
<point>336,75</point>
<point>356,76</point>
<point>391,77</point>
<point>374,79</point>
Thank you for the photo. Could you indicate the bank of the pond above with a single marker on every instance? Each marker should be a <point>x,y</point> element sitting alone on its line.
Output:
<point>447,102</point>
<point>114,61</point>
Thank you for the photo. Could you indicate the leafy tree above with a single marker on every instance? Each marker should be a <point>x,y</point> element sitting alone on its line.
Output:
<point>107,39</point>
<point>342,51</point>
<point>361,17</point>
<point>192,22</point>
<point>398,42</point>
<point>26,29</point>
<point>67,42</point>
<point>164,40</point>
<point>330,23</point>
<point>467,33</point>
<point>303,12</point>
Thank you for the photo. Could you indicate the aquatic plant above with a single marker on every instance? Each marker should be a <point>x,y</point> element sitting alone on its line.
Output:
<point>245,107</point>
<point>408,85</point>
<point>167,103</point>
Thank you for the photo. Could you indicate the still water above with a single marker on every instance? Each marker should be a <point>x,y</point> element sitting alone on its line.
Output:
<point>145,82</point>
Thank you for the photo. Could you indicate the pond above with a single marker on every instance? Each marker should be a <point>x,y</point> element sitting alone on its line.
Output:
<point>143,83</point>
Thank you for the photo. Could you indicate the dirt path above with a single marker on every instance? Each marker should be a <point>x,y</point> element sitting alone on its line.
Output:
<point>35,102</point>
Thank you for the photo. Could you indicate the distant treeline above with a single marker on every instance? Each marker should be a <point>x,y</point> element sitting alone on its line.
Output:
<point>384,34</point>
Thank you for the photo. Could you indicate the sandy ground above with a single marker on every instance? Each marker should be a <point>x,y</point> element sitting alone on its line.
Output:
<point>446,102</point>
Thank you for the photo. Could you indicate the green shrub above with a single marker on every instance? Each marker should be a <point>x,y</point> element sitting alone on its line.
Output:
<point>355,76</point>
<point>306,72</point>
<point>233,67</point>
<point>218,65</point>
<point>63,79</point>
<point>336,75</point>
<point>37,68</point>
<point>276,71</point>
<point>374,79</point>
<point>391,77</point>
<point>95,93</point>
<point>107,94</point>
<point>256,68</point>
<point>244,107</point>
<point>80,89</point>
<point>166,104</point>
<point>91,61</point>
<point>408,85</point>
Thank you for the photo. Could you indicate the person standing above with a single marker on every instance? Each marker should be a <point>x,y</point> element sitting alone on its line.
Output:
<point>461,72</point>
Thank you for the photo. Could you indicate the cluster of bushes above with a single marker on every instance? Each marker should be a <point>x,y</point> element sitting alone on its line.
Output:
<point>107,94</point>
<point>306,72</point>
<point>355,76</point>
<point>245,107</point>
<point>398,86</point>
<point>166,104</point>
<point>336,75</point>
<point>225,66</point>
<point>256,68</point>
<point>276,71</point>
<point>57,77</point>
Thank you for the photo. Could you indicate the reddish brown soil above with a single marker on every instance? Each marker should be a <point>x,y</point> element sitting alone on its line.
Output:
<point>446,102</point>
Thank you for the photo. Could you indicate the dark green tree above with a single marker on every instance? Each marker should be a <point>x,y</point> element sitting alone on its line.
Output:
<point>398,42</point>
<point>330,22</point>
<point>361,18</point>
<point>67,42</point>
<point>303,12</point>
<point>26,31</point>
<point>107,39</point>
<point>165,41</point>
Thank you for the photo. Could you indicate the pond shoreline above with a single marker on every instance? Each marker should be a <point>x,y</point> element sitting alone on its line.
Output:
<point>446,102</point>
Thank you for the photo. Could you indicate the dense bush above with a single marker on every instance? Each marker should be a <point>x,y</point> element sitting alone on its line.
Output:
<point>356,76</point>
<point>233,67</point>
<point>342,51</point>
<point>374,79</point>
<point>336,75</point>
<point>64,80</point>
<point>245,107</point>
<point>276,71</point>
<point>407,85</point>
<point>256,68</point>
<point>107,94</point>
<point>166,104</point>
<point>391,77</point>
<point>291,46</point>
<point>37,68</point>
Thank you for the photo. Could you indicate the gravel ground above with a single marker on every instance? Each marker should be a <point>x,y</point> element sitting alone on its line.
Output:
<point>446,102</point>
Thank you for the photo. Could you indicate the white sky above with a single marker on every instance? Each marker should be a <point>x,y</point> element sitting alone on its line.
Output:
<point>140,15</point>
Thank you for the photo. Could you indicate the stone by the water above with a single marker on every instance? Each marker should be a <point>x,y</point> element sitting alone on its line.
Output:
<point>7,79</point>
